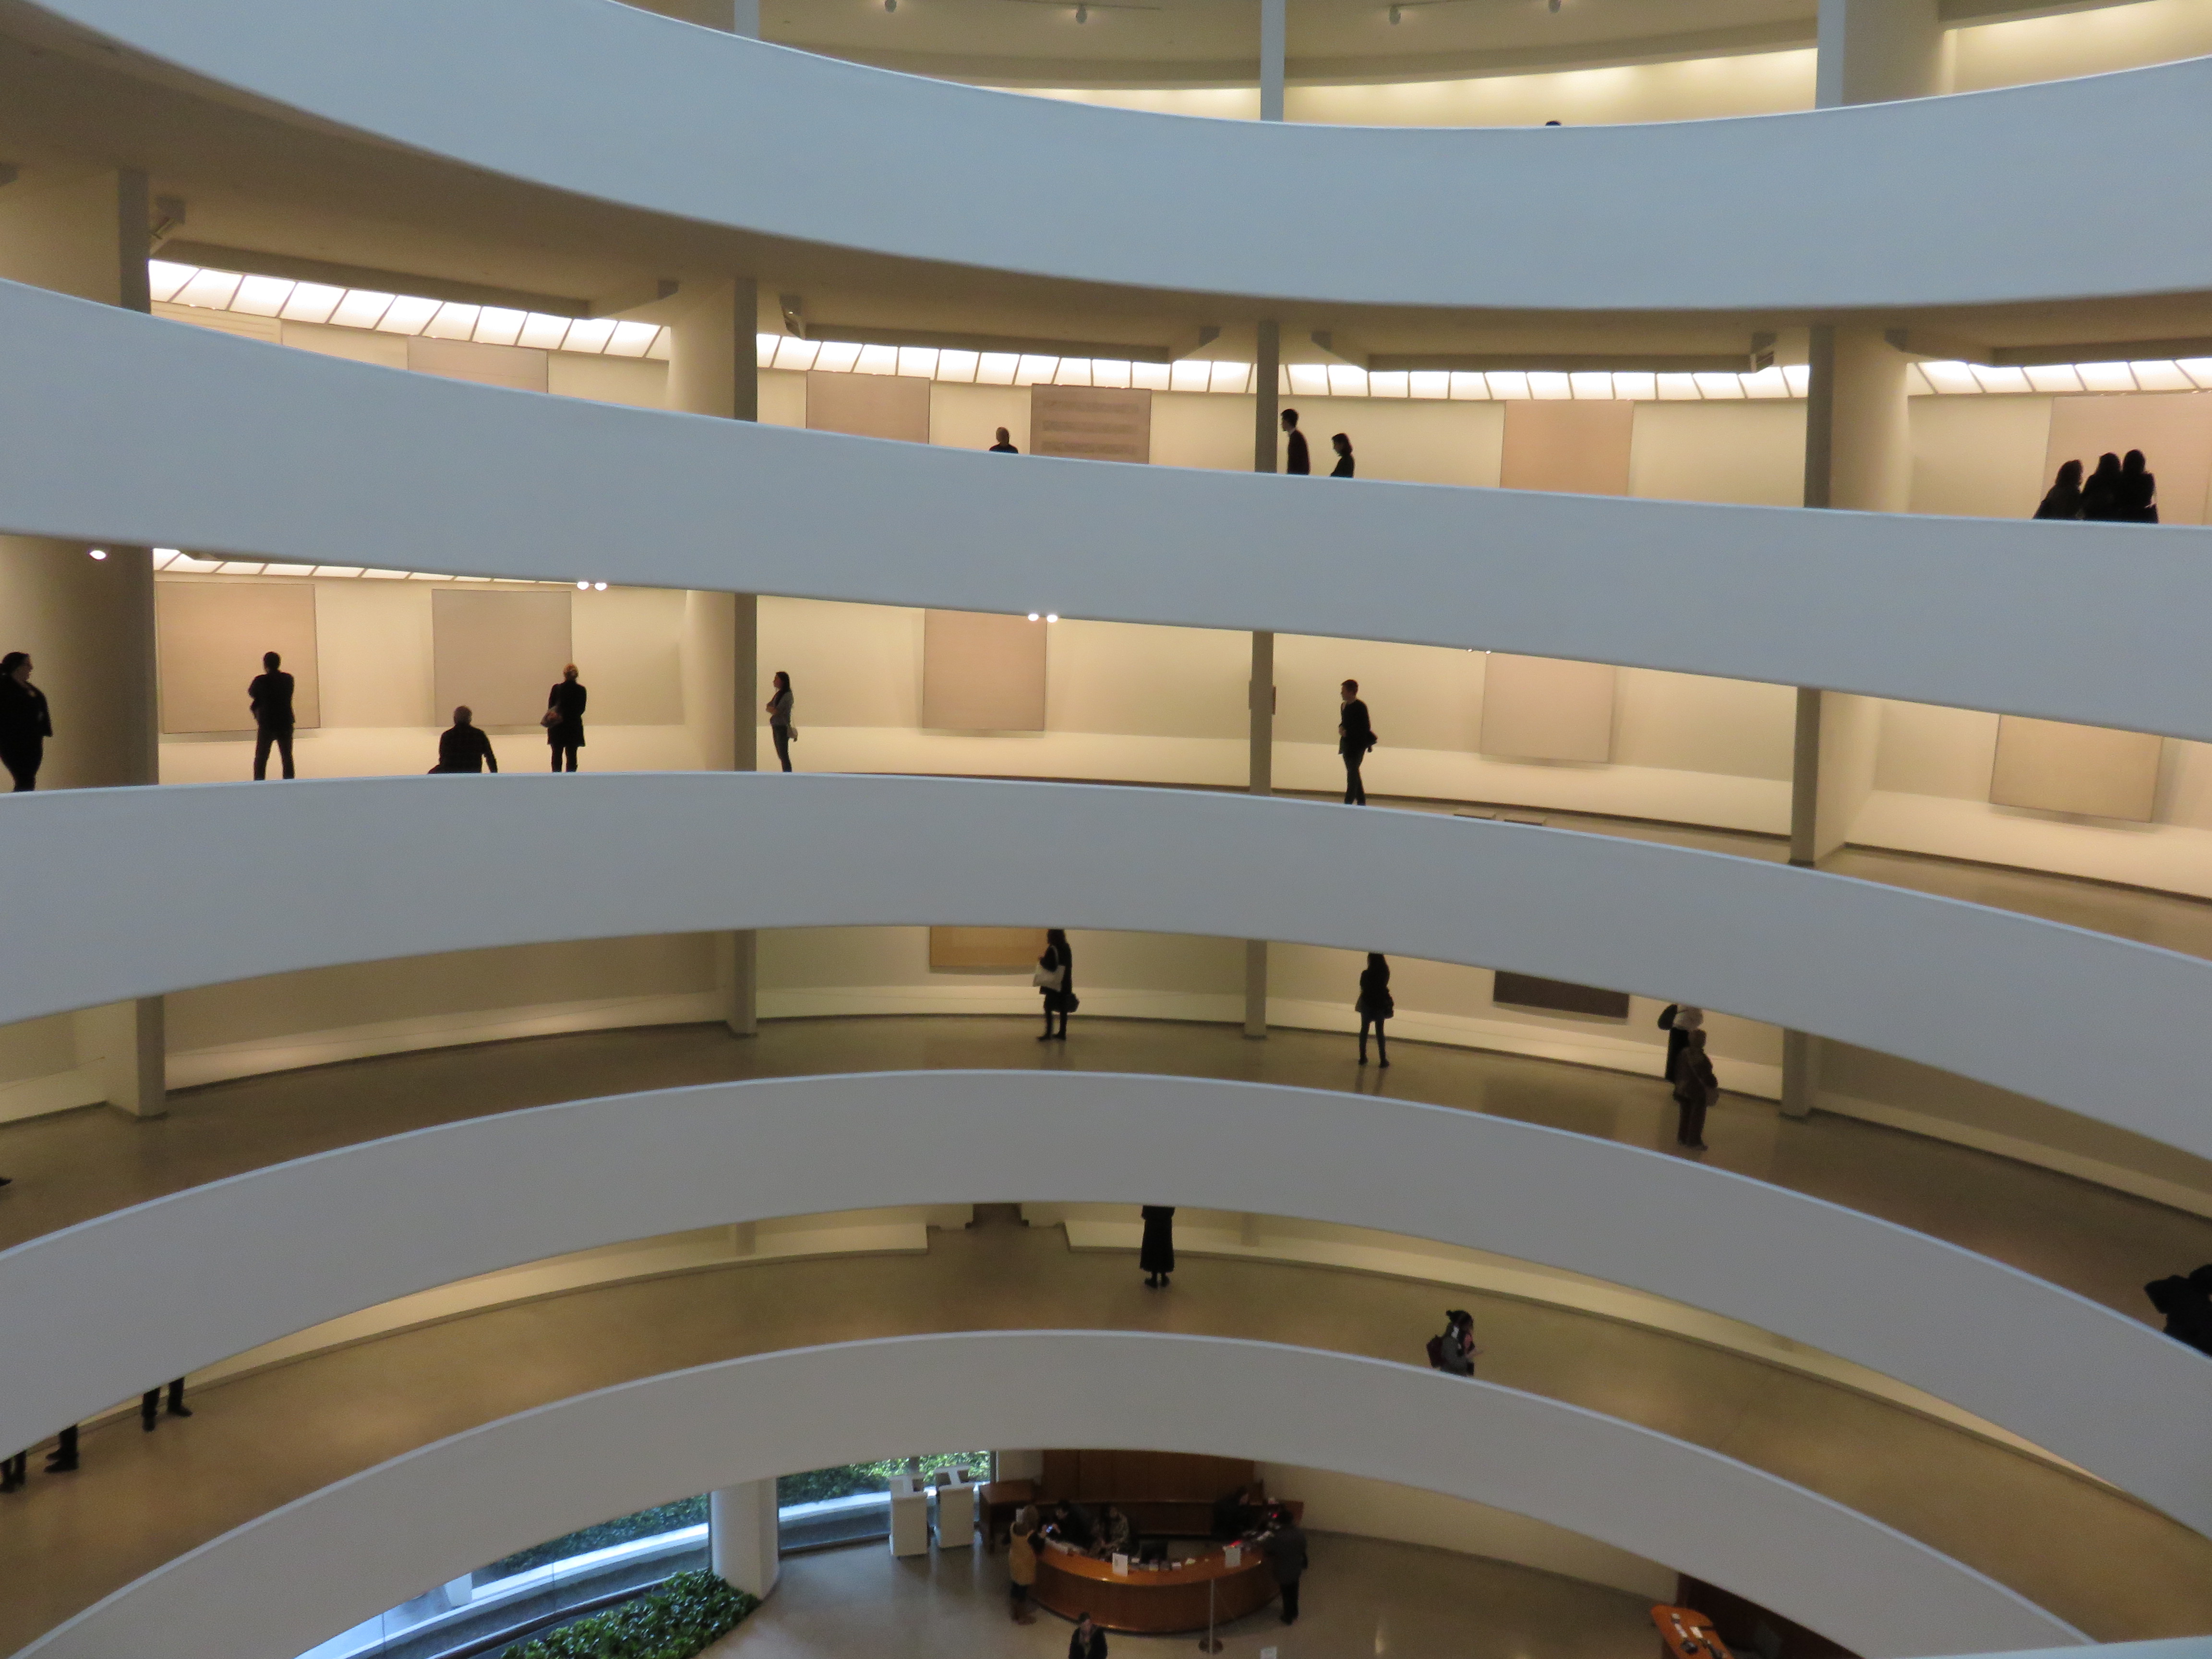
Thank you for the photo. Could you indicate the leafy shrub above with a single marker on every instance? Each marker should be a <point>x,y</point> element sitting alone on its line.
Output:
<point>646,1523</point>
<point>843,1480</point>
<point>689,1613</point>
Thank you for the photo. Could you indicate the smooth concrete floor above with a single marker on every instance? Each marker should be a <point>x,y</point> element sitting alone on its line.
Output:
<point>2098,1558</point>
<point>1360,1596</point>
<point>2102,1244</point>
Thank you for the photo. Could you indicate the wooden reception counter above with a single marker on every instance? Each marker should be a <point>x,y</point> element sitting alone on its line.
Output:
<point>1152,1601</point>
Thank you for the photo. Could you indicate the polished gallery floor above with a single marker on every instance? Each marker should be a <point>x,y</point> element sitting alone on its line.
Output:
<point>1361,1596</point>
<point>2100,1560</point>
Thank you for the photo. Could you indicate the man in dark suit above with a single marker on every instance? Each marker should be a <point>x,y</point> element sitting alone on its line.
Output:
<point>1285,1546</point>
<point>1355,736</point>
<point>462,747</point>
<point>1296,461</point>
<point>269,696</point>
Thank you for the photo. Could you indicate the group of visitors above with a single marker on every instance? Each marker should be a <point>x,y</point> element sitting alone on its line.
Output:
<point>1690,1070</point>
<point>2186,1302</point>
<point>2122,491</point>
<point>1274,1527</point>
<point>15,1472</point>
<point>1298,459</point>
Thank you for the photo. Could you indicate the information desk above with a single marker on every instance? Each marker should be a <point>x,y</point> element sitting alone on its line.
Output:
<point>1152,1601</point>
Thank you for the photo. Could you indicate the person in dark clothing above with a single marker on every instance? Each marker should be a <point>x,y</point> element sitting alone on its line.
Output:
<point>1695,1089</point>
<point>269,696</point>
<point>1296,461</point>
<point>1453,1352</point>
<point>150,1404</point>
<point>779,719</point>
<point>2100,497</point>
<point>1088,1642</point>
<point>2187,1305</point>
<point>15,1472</point>
<point>2138,490</point>
<point>1005,445</point>
<point>1341,443</point>
<point>1236,1513</point>
<point>463,748</point>
<point>1375,1006</point>
<point>1156,1256</point>
<point>1285,1546</point>
<point>62,1460</point>
<point>1355,736</point>
<point>1072,1524</point>
<point>25,723</point>
<point>1055,978</point>
<point>564,724</point>
<point>1678,1020</point>
<point>2064,499</point>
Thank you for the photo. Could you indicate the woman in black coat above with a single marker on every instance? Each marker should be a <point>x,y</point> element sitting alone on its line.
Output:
<point>1156,1254</point>
<point>2138,495</point>
<point>25,723</point>
<point>1375,1006</point>
<point>2100,497</point>
<point>1057,964</point>
<point>564,710</point>
<point>2064,499</point>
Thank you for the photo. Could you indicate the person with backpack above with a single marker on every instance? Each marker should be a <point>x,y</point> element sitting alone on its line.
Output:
<point>1454,1352</point>
<point>1696,1087</point>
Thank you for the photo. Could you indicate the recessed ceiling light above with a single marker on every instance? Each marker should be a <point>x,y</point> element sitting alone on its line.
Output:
<point>600,587</point>
<point>1033,616</point>
<point>1052,616</point>
<point>583,585</point>
<point>98,552</point>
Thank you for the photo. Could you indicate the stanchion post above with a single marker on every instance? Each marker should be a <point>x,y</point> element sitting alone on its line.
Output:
<point>1212,1643</point>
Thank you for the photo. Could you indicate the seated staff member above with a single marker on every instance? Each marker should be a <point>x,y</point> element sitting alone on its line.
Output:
<point>1072,1524</point>
<point>462,747</point>
<point>1115,1536</point>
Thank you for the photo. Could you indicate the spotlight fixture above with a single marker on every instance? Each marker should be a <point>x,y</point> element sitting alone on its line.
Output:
<point>583,585</point>
<point>600,587</point>
<point>97,552</point>
<point>1052,616</point>
<point>1033,616</point>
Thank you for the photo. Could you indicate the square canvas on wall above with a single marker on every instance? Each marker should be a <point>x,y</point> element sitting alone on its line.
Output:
<point>984,950</point>
<point>982,673</point>
<point>869,405</point>
<point>498,653</point>
<point>209,637</point>
<point>1547,708</point>
<point>1091,423</point>
<point>1579,448</point>
<point>2054,767</point>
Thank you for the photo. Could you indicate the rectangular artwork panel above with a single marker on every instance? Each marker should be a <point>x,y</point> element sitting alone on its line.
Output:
<point>1547,708</point>
<point>869,405</point>
<point>498,653</point>
<point>1581,449</point>
<point>2093,770</point>
<point>1557,996</point>
<point>1091,423</point>
<point>982,673</point>
<point>957,949</point>
<point>2174,429</point>
<point>210,636</point>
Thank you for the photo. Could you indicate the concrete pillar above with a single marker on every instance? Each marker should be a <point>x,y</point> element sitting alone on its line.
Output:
<point>89,624</point>
<point>1273,33</point>
<point>713,369</point>
<point>741,1536</point>
<point>1259,692</point>
<point>1874,51</point>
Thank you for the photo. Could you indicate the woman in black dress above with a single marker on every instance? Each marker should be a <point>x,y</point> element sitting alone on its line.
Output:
<point>1056,979</point>
<point>25,725</point>
<point>1156,1256</point>
<point>1375,1006</point>
<point>564,711</point>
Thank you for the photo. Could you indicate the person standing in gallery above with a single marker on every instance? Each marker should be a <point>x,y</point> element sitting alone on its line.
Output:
<point>1055,978</point>
<point>1375,1006</point>
<point>2100,496</point>
<point>1678,1020</point>
<point>780,728</point>
<point>1696,1086</point>
<point>464,747</point>
<point>150,1404</point>
<point>1089,1642</point>
<point>564,720</point>
<point>2064,499</point>
<point>1003,447</point>
<point>1355,736</point>
<point>1022,1562</point>
<point>1296,461</point>
<point>25,723</point>
<point>268,694</point>
<point>1285,1546</point>
<point>1156,1256</point>
<point>1341,443</point>
<point>2138,493</point>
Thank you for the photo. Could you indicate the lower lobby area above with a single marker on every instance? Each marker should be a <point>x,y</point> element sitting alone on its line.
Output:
<point>1359,1595</point>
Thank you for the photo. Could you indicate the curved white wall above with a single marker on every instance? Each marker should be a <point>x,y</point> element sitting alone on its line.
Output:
<point>1937,201</point>
<point>144,891</point>
<point>217,444</point>
<point>178,1284</point>
<point>278,1585</point>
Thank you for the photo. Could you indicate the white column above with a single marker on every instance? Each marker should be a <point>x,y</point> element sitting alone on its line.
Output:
<point>713,369</point>
<point>89,624</point>
<point>741,1536</point>
<point>1273,29</point>
<point>1873,51</point>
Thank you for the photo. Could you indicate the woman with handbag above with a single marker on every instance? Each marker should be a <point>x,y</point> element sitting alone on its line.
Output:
<point>1375,1006</point>
<point>780,728</point>
<point>563,719</point>
<point>1055,978</point>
